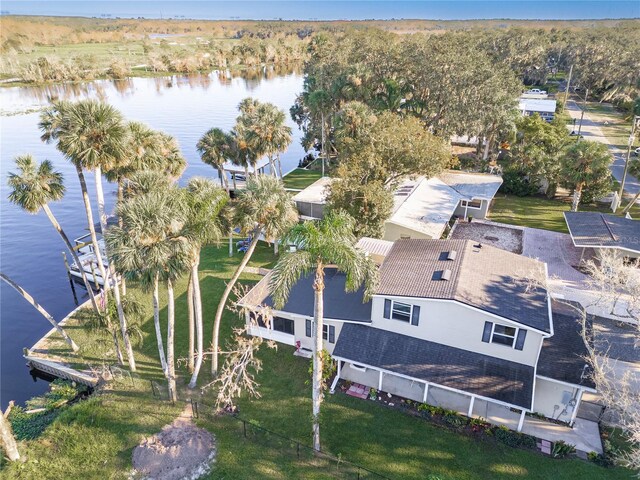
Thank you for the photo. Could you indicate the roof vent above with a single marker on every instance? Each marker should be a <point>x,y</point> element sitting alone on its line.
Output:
<point>446,275</point>
<point>452,255</point>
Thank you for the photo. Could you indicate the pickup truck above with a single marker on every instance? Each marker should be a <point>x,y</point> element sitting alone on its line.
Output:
<point>536,91</point>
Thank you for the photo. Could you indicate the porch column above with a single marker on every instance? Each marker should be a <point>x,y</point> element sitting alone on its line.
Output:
<point>426,391</point>
<point>575,409</point>
<point>380,380</point>
<point>470,412</point>
<point>521,422</point>
<point>335,380</point>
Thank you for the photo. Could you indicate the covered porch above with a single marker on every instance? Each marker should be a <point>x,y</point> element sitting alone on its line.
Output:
<point>584,435</point>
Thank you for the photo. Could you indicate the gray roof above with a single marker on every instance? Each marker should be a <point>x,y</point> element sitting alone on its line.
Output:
<point>593,229</point>
<point>472,185</point>
<point>488,278</point>
<point>470,372</point>
<point>563,355</point>
<point>338,304</point>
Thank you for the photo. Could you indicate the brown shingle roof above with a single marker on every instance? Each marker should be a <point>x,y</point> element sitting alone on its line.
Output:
<point>494,280</point>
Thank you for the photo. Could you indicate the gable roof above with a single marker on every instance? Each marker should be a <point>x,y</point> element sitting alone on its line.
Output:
<point>472,185</point>
<point>593,229</point>
<point>485,277</point>
<point>338,304</point>
<point>452,367</point>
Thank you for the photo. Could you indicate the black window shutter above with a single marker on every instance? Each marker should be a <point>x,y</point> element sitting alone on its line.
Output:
<point>387,308</point>
<point>307,327</point>
<point>486,335</point>
<point>415,315</point>
<point>332,334</point>
<point>522,334</point>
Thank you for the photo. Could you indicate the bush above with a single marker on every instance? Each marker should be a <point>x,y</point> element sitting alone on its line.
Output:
<point>515,181</point>
<point>514,439</point>
<point>602,460</point>
<point>562,449</point>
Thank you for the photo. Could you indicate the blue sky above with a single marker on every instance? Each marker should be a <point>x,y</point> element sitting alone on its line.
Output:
<point>332,10</point>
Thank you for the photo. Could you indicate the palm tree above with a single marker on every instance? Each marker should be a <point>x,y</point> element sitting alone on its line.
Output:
<point>329,241</point>
<point>263,208</point>
<point>150,246</point>
<point>40,309</point>
<point>92,135</point>
<point>269,133</point>
<point>205,202</point>
<point>214,148</point>
<point>585,164</point>
<point>32,190</point>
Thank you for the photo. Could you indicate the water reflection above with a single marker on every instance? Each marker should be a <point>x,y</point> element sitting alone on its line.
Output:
<point>184,106</point>
<point>251,79</point>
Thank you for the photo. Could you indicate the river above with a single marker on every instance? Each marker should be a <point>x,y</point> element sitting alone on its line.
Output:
<point>30,249</point>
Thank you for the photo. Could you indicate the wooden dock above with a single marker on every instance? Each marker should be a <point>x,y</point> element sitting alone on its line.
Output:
<point>60,371</point>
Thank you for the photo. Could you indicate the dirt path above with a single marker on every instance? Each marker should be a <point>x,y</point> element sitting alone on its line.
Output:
<point>179,451</point>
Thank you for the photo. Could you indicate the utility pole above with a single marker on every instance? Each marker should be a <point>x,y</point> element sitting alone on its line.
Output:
<point>632,136</point>
<point>584,107</point>
<point>566,90</point>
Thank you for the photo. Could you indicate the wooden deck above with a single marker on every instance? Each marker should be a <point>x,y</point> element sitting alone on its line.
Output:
<point>61,371</point>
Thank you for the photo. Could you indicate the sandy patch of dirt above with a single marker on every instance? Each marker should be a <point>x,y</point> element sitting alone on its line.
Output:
<point>509,239</point>
<point>180,451</point>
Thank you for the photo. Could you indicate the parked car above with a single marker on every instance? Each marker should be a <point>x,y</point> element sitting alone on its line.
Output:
<point>536,91</point>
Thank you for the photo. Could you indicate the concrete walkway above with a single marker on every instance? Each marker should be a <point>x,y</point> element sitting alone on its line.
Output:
<point>585,434</point>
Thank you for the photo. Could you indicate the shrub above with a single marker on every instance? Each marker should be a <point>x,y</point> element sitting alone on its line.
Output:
<point>562,449</point>
<point>600,459</point>
<point>514,439</point>
<point>515,181</point>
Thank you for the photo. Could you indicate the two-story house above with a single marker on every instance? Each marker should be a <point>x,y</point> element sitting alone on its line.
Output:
<point>453,323</point>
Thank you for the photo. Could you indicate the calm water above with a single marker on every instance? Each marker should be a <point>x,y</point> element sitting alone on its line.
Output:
<point>184,107</point>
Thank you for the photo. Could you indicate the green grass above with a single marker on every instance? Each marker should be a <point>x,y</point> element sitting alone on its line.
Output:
<point>95,438</point>
<point>540,212</point>
<point>300,178</point>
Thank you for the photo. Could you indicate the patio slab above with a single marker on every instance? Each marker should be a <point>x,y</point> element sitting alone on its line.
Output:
<point>585,434</point>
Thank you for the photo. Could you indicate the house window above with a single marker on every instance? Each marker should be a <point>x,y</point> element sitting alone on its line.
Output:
<point>329,333</point>
<point>307,328</point>
<point>401,311</point>
<point>504,335</point>
<point>471,203</point>
<point>283,325</point>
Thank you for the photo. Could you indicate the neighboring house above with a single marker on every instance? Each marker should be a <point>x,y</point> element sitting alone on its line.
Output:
<point>311,201</point>
<point>453,323</point>
<point>602,231</point>
<point>545,108</point>
<point>422,207</point>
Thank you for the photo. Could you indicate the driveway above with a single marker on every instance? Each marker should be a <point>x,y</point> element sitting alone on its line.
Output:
<point>591,131</point>
<point>559,253</point>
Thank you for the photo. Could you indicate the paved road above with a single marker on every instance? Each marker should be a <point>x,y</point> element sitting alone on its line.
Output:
<point>591,131</point>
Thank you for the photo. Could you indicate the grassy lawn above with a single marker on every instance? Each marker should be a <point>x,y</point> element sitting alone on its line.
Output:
<point>540,212</point>
<point>301,178</point>
<point>95,438</point>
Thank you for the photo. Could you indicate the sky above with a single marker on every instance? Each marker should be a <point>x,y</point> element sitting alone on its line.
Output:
<point>330,10</point>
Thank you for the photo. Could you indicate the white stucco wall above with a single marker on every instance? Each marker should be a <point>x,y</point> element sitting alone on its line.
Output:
<point>548,399</point>
<point>393,232</point>
<point>453,324</point>
<point>299,331</point>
